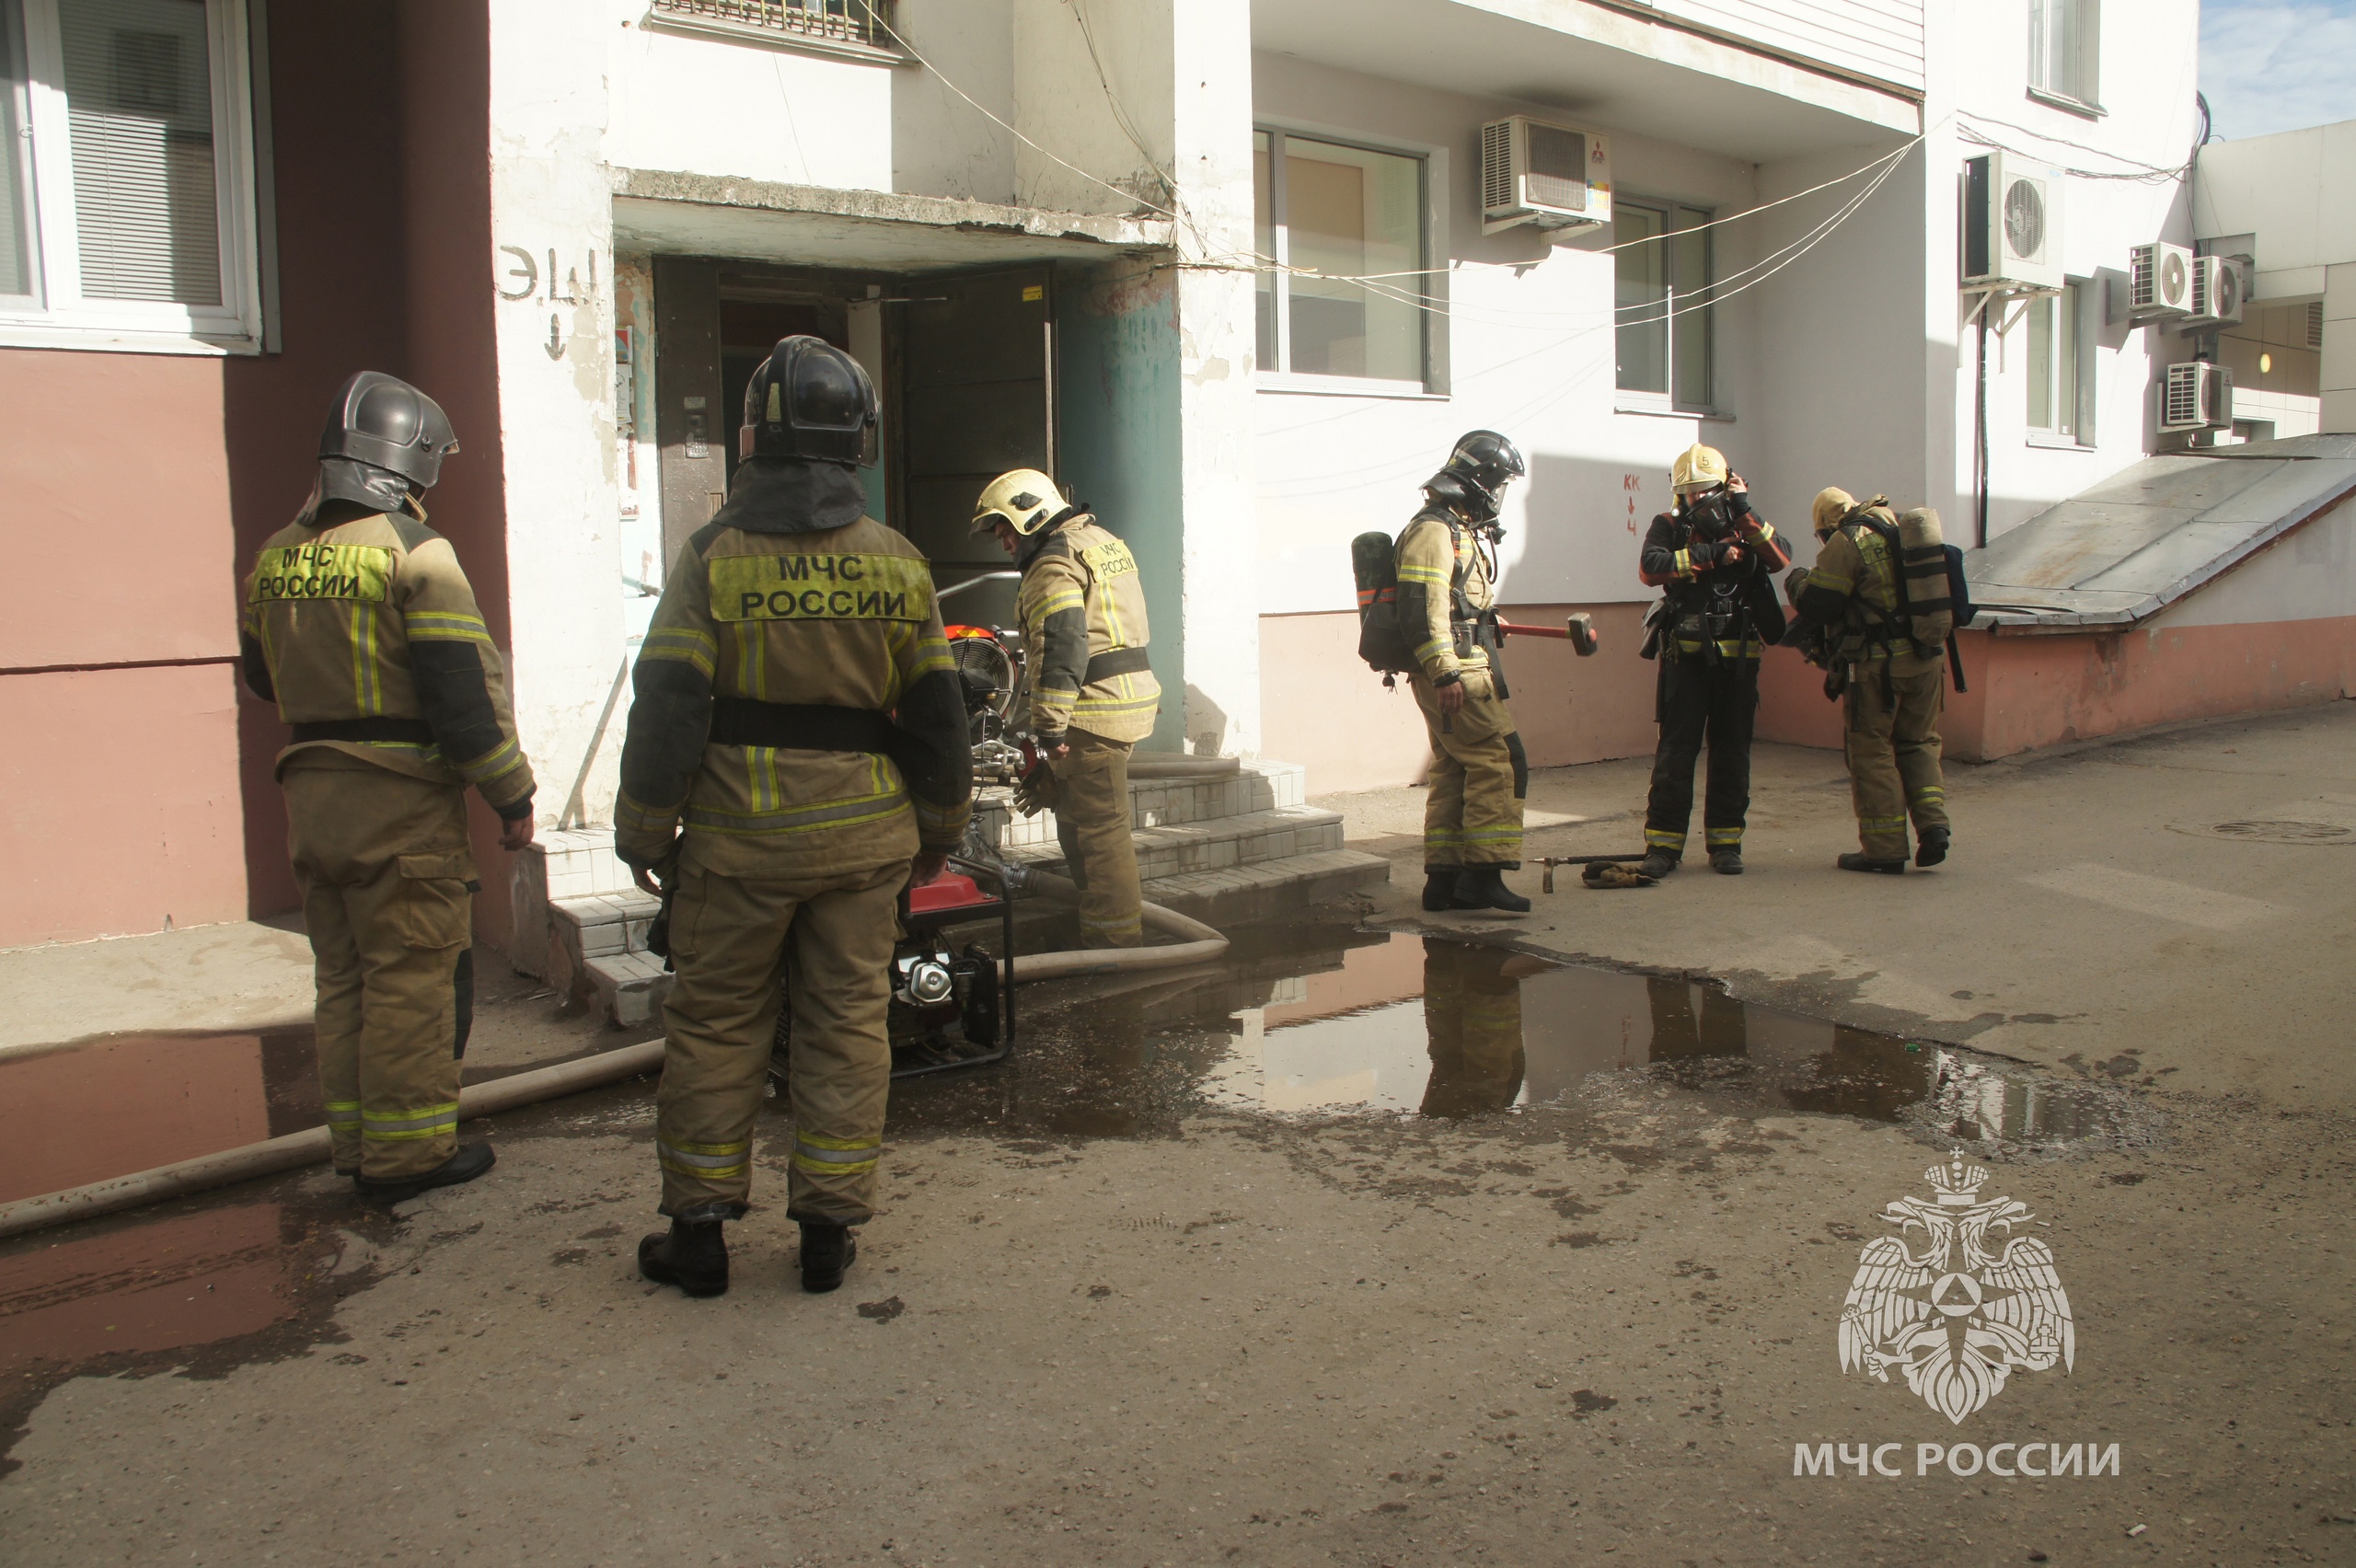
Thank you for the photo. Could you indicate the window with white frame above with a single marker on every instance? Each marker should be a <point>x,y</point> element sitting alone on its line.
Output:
<point>2060,388</point>
<point>126,192</point>
<point>1664,317</point>
<point>2064,39</point>
<point>1346,298</point>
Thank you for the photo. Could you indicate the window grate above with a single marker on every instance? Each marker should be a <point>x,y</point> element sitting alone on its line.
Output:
<point>866,22</point>
<point>2314,324</point>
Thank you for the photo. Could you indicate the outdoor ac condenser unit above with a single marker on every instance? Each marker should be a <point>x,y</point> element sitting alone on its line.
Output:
<point>2011,226</point>
<point>2159,281</point>
<point>1550,176</point>
<point>2198,395</point>
<point>2217,290</point>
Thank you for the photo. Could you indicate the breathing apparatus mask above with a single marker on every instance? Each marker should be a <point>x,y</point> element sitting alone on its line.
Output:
<point>1711,512</point>
<point>1472,482</point>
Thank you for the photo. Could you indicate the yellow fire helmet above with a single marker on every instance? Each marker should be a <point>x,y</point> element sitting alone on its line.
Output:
<point>1832,503</point>
<point>1698,468</point>
<point>1024,500</point>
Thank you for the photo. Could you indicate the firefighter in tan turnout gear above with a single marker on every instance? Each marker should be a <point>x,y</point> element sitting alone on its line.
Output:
<point>1447,572</point>
<point>797,712</point>
<point>359,625</point>
<point>1892,666</point>
<point>1092,692</point>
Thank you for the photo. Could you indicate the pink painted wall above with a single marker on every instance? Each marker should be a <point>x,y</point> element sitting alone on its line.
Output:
<point>114,543</point>
<point>1792,708</point>
<point>119,777</point>
<point>119,801</point>
<point>2032,691</point>
<point>2040,691</point>
<point>1322,708</point>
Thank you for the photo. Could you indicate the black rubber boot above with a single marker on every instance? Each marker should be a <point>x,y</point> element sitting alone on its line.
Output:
<point>692,1255</point>
<point>1857,861</point>
<point>1727,862</point>
<point>1483,887</point>
<point>826,1251</point>
<point>1932,848</point>
<point>1656,864</point>
<point>470,1161</point>
<point>1440,887</point>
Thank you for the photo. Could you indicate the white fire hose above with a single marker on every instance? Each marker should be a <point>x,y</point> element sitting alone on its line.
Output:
<point>1201,944</point>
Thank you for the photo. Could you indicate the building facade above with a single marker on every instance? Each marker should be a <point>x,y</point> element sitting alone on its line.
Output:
<point>1226,267</point>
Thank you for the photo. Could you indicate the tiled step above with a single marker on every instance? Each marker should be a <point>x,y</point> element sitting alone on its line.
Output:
<point>1156,802</point>
<point>1229,851</point>
<point>1218,844</point>
<point>1243,895</point>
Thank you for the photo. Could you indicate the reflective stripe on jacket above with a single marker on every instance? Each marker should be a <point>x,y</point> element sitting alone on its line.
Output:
<point>372,618</point>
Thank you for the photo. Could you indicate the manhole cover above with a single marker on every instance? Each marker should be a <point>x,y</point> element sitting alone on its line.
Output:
<point>2278,832</point>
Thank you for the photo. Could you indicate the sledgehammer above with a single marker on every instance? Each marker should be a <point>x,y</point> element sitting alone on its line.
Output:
<point>1579,631</point>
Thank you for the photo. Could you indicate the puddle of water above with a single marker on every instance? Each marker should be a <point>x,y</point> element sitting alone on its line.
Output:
<point>1305,1019</point>
<point>1337,1020</point>
<point>201,1288</point>
<point>167,1097</point>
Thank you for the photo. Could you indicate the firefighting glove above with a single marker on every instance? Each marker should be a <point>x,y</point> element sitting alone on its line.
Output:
<point>1035,791</point>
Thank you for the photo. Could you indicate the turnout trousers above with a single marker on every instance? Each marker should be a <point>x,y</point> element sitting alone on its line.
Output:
<point>1092,826</point>
<point>1702,701</point>
<point>387,878</point>
<point>1893,750</point>
<point>1478,780</point>
<point>745,950</point>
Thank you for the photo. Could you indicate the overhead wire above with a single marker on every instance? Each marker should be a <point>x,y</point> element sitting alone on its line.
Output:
<point>1300,484</point>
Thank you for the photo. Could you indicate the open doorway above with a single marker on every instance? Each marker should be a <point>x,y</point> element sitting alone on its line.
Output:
<point>964,362</point>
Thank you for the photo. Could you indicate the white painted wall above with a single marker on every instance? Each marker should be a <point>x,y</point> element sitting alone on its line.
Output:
<point>552,203</point>
<point>1882,39</point>
<point>1209,77</point>
<point>1077,146</point>
<point>2149,72</point>
<point>2309,576</point>
<point>2295,191</point>
<point>1529,345</point>
<point>941,145</point>
<point>696,103</point>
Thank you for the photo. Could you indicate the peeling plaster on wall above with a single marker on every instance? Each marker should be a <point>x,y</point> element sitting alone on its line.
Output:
<point>552,199</point>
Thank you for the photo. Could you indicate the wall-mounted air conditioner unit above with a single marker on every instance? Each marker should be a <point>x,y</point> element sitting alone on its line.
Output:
<point>2159,281</point>
<point>2011,226</point>
<point>1549,176</point>
<point>2217,287</point>
<point>2197,395</point>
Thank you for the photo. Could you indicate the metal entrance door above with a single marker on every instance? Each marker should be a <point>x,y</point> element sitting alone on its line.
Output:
<point>975,395</point>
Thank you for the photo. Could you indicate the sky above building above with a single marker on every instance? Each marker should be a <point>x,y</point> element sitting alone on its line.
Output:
<point>2269,65</point>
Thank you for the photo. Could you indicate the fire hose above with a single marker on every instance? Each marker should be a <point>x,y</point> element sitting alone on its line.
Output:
<point>1199,944</point>
<point>308,1147</point>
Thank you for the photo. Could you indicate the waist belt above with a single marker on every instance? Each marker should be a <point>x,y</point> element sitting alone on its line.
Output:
<point>1116,661</point>
<point>413,732</point>
<point>791,726</point>
<point>1481,633</point>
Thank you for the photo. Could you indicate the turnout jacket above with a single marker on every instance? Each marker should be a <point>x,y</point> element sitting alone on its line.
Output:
<point>1084,635</point>
<point>767,616</point>
<point>362,628</point>
<point>1445,588</point>
<point>1852,588</point>
<point>1692,571</point>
